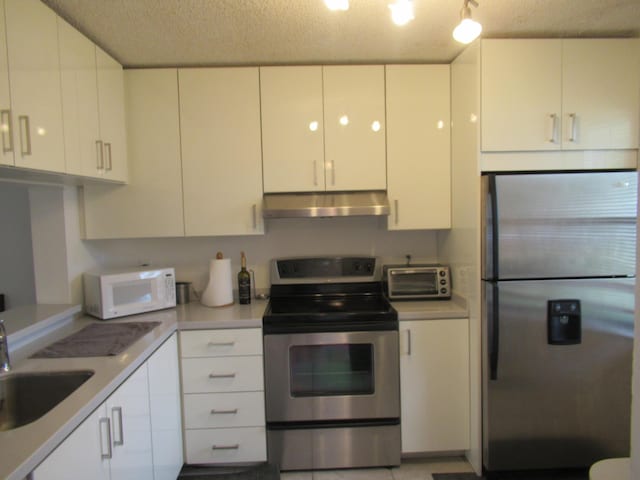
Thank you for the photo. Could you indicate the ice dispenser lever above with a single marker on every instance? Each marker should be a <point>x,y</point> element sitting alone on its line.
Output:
<point>564,322</point>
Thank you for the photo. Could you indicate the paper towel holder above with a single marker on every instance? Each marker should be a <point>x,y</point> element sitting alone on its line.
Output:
<point>219,289</point>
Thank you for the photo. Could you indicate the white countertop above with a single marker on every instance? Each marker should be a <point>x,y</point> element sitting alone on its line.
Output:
<point>34,327</point>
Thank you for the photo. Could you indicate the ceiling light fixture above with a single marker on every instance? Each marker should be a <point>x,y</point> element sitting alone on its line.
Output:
<point>402,12</point>
<point>337,4</point>
<point>468,29</point>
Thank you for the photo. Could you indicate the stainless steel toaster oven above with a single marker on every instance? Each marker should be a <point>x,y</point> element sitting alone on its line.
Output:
<point>416,282</point>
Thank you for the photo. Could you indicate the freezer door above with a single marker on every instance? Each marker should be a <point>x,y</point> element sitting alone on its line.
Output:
<point>560,225</point>
<point>556,406</point>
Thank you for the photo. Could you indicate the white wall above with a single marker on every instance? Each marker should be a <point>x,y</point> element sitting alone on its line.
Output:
<point>16,258</point>
<point>283,237</point>
<point>460,246</point>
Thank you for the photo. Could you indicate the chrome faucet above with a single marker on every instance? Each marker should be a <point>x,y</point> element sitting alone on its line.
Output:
<point>5,363</point>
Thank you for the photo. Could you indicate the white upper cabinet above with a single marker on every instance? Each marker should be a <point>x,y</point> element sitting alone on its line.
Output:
<point>6,154</point>
<point>540,95</point>
<point>418,146</point>
<point>113,136</point>
<point>79,102</point>
<point>221,151</point>
<point>34,73</point>
<point>354,112</point>
<point>155,179</point>
<point>292,129</point>
<point>601,97</point>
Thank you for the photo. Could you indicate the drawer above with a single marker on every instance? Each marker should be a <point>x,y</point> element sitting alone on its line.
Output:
<point>225,445</point>
<point>223,410</point>
<point>221,343</point>
<point>232,374</point>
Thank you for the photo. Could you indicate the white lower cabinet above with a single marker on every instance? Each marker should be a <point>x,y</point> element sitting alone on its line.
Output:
<point>223,396</point>
<point>434,380</point>
<point>135,434</point>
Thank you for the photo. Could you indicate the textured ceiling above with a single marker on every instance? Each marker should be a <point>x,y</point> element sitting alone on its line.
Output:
<point>263,32</point>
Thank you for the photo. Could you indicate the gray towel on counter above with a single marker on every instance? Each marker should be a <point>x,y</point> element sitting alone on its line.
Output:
<point>97,340</point>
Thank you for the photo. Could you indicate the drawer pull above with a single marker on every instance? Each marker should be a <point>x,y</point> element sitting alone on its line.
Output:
<point>222,375</point>
<point>221,344</point>
<point>224,412</point>
<point>226,447</point>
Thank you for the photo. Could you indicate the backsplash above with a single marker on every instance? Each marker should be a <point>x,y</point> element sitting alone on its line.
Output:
<point>284,237</point>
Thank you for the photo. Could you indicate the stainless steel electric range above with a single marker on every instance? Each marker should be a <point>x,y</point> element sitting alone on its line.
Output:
<point>332,380</point>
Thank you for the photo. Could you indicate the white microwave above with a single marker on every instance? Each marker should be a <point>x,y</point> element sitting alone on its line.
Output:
<point>111,294</point>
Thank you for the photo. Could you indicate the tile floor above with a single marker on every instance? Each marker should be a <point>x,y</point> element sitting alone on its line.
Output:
<point>413,469</point>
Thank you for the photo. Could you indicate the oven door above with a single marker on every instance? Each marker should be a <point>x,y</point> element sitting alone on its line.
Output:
<point>331,376</point>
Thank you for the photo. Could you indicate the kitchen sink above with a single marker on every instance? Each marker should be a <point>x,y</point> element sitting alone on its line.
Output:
<point>25,397</point>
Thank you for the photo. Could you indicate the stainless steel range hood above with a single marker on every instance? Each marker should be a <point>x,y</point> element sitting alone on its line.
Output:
<point>324,204</point>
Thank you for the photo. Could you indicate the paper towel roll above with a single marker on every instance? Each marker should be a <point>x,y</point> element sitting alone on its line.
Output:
<point>219,291</point>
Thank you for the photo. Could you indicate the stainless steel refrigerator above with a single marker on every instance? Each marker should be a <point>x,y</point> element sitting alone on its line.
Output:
<point>559,254</point>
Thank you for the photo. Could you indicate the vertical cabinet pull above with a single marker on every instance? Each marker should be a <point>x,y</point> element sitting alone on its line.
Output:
<point>572,127</point>
<point>105,438</point>
<point>109,163</point>
<point>397,209</point>
<point>407,342</point>
<point>99,155</point>
<point>5,119</point>
<point>315,173</point>
<point>25,135</point>
<point>119,439</point>
<point>333,173</point>
<point>553,127</point>
<point>254,213</point>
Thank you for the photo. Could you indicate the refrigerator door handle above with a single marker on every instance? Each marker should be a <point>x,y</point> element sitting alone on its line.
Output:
<point>493,205</point>
<point>494,335</point>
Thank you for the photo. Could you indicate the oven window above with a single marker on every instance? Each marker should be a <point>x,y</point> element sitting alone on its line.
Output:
<point>416,283</point>
<point>322,370</point>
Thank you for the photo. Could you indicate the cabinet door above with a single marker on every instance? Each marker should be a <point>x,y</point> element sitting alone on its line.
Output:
<point>34,73</point>
<point>292,129</point>
<point>600,93</point>
<point>521,94</point>
<point>79,102</point>
<point>83,455</point>
<point>6,124</point>
<point>418,146</point>
<point>354,110</point>
<point>221,151</point>
<point>112,117</point>
<point>128,409</point>
<point>155,187</point>
<point>166,420</point>
<point>434,380</point>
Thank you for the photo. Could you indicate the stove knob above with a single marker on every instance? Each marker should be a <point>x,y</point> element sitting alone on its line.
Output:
<point>443,290</point>
<point>369,267</point>
<point>443,282</point>
<point>442,273</point>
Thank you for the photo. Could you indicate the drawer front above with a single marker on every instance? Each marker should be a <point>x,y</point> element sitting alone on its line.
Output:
<point>233,374</point>
<point>224,410</point>
<point>226,445</point>
<point>221,343</point>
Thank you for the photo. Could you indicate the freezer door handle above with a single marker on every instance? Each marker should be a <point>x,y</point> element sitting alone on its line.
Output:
<point>494,335</point>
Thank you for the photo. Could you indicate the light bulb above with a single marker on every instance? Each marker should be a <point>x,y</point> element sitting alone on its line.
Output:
<point>402,12</point>
<point>337,4</point>
<point>467,31</point>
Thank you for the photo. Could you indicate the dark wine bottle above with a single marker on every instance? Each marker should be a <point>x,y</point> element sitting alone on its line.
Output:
<point>244,282</point>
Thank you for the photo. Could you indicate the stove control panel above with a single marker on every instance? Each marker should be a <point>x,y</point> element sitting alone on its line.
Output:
<point>323,269</point>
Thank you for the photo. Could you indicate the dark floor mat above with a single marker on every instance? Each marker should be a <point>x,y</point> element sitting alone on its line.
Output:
<point>259,472</point>
<point>540,475</point>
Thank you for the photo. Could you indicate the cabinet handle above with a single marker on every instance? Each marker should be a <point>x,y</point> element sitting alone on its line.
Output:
<point>225,447</point>
<point>117,411</point>
<point>572,127</point>
<point>407,349</point>
<point>25,128</point>
<point>222,375</point>
<point>397,209</point>
<point>105,431</point>
<point>315,173</point>
<point>221,344</point>
<point>224,412</point>
<point>99,155</point>
<point>254,212</point>
<point>333,173</point>
<point>109,163</point>
<point>5,119</point>
<point>554,127</point>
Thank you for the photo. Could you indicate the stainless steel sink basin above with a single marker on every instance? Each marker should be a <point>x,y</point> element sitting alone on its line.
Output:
<point>25,397</point>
